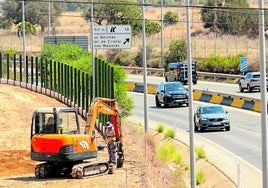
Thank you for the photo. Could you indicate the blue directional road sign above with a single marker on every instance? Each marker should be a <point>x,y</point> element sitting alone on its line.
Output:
<point>243,64</point>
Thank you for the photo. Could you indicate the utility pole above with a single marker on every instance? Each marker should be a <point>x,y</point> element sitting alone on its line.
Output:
<point>92,51</point>
<point>263,94</point>
<point>190,82</point>
<point>49,18</point>
<point>24,38</point>
<point>144,70</point>
<point>162,39</point>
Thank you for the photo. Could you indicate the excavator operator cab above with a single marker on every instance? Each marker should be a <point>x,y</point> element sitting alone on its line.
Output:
<point>49,120</point>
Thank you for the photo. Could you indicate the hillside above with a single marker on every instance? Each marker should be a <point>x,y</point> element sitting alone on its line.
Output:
<point>204,43</point>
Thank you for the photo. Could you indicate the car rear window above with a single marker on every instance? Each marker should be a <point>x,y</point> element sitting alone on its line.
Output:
<point>172,65</point>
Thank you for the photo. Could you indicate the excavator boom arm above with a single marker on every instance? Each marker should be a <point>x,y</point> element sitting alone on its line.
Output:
<point>104,106</point>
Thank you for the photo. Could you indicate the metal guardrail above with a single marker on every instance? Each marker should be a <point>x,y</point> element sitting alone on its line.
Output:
<point>161,73</point>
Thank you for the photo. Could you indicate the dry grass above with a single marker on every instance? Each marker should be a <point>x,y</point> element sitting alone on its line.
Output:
<point>204,44</point>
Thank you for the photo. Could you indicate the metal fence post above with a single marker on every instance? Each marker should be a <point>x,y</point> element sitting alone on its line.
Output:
<point>112,83</point>
<point>1,64</point>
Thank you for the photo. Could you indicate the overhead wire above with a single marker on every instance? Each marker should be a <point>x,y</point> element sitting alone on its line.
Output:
<point>239,10</point>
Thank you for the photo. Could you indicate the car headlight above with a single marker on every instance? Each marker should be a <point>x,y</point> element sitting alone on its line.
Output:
<point>204,119</point>
<point>226,118</point>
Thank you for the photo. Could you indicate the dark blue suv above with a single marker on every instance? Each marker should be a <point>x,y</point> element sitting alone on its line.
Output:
<point>171,94</point>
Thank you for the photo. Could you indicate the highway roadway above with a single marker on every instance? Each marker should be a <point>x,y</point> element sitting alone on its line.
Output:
<point>244,139</point>
<point>231,89</point>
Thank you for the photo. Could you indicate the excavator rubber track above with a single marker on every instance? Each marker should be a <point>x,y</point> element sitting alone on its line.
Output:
<point>87,169</point>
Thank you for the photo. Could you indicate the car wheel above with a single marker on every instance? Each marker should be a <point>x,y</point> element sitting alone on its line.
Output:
<point>249,88</point>
<point>227,128</point>
<point>187,104</point>
<point>157,103</point>
<point>200,129</point>
<point>195,127</point>
<point>194,82</point>
<point>240,88</point>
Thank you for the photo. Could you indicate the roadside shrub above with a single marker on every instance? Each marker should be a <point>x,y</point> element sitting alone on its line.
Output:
<point>139,57</point>
<point>200,152</point>
<point>176,158</point>
<point>199,177</point>
<point>177,51</point>
<point>155,63</point>
<point>167,153</point>
<point>119,57</point>
<point>160,128</point>
<point>80,59</point>
<point>169,133</point>
<point>11,52</point>
<point>221,64</point>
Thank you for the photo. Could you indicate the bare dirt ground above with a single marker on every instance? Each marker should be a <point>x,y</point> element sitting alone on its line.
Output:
<point>141,167</point>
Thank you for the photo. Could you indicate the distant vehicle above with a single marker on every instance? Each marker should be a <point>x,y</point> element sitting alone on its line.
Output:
<point>171,94</point>
<point>178,71</point>
<point>211,117</point>
<point>251,81</point>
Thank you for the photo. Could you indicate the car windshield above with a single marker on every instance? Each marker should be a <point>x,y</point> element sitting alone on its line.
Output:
<point>212,110</point>
<point>174,87</point>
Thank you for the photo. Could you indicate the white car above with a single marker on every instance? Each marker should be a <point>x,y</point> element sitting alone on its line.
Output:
<point>251,81</point>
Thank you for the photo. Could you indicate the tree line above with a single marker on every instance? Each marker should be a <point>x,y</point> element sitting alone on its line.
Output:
<point>233,17</point>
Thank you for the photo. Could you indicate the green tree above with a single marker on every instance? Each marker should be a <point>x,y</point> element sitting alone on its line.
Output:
<point>170,18</point>
<point>29,28</point>
<point>177,51</point>
<point>5,24</point>
<point>36,12</point>
<point>127,13</point>
<point>139,57</point>
<point>228,19</point>
<point>73,7</point>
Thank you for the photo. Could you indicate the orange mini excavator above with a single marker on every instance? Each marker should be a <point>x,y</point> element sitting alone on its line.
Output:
<point>56,139</point>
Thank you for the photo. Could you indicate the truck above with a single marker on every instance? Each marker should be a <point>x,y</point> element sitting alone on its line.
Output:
<point>178,71</point>
<point>63,149</point>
